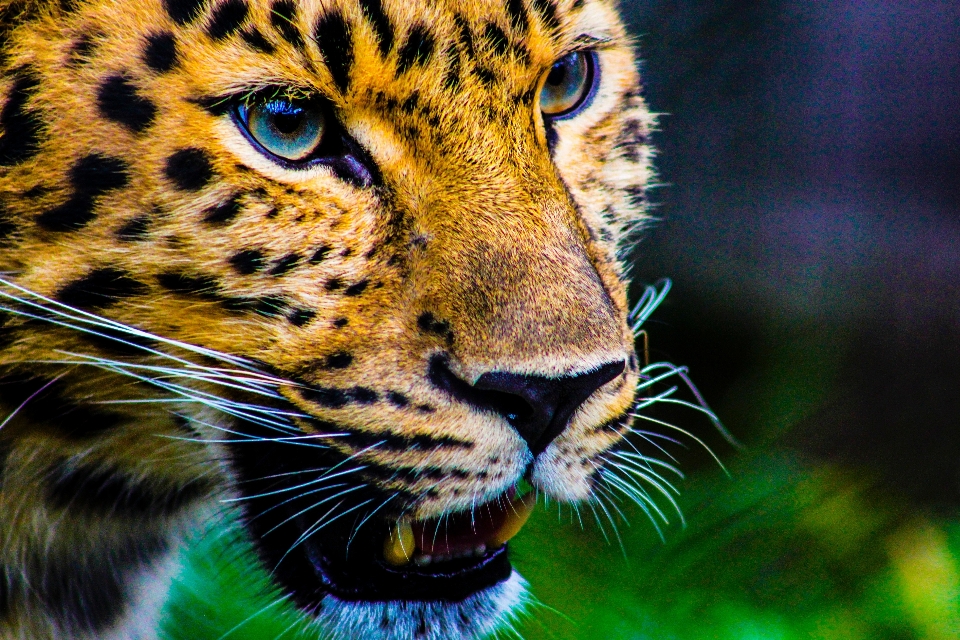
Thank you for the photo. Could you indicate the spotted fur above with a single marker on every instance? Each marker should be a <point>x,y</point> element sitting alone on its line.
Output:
<point>183,315</point>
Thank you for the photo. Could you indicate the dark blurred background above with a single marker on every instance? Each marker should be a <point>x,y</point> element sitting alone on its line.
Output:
<point>810,221</point>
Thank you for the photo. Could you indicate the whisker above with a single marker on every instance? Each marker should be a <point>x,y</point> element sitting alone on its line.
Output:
<point>648,462</point>
<point>250,437</point>
<point>320,524</point>
<point>648,437</point>
<point>356,529</point>
<point>701,404</point>
<point>647,505</point>
<point>636,491</point>
<point>321,478</point>
<point>686,433</point>
<point>281,475</point>
<point>651,299</point>
<point>346,491</point>
<point>297,497</point>
<point>253,615</point>
<point>214,376</point>
<point>29,398</point>
<point>78,315</point>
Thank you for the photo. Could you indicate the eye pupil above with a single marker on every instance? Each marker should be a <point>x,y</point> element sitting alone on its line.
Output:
<point>288,123</point>
<point>289,129</point>
<point>568,84</point>
<point>557,75</point>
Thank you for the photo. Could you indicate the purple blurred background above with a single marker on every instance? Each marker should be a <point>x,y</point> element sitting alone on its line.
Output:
<point>810,220</point>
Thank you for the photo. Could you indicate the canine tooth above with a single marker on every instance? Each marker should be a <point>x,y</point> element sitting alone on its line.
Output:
<point>517,515</point>
<point>480,550</point>
<point>399,545</point>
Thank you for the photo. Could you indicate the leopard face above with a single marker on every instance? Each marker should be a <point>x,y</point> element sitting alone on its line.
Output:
<point>368,251</point>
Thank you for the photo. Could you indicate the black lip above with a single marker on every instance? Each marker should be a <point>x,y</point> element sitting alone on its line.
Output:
<point>367,578</point>
<point>345,558</point>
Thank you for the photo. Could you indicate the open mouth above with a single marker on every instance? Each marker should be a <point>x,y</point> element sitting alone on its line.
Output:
<point>462,539</point>
<point>325,538</point>
<point>442,559</point>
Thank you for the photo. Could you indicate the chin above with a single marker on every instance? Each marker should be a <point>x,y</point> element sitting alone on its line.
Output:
<point>475,616</point>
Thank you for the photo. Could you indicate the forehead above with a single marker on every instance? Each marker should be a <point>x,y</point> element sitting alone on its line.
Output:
<point>344,49</point>
<point>353,37</point>
<point>385,14</point>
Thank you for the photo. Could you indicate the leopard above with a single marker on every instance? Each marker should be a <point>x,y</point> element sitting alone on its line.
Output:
<point>350,274</point>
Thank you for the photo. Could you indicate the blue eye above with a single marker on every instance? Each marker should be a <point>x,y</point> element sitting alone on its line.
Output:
<point>568,85</point>
<point>289,129</point>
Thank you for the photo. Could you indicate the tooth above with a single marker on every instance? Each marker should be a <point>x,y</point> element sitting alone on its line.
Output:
<point>480,550</point>
<point>517,515</point>
<point>398,548</point>
<point>422,561</point>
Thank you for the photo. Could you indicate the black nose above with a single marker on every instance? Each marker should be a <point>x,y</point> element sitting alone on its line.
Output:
<point>538,407</point>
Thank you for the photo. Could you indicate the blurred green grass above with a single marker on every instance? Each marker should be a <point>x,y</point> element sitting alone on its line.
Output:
<point>779,548</point>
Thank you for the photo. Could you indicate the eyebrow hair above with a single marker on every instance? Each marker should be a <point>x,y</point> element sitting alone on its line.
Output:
<point>588,40</point>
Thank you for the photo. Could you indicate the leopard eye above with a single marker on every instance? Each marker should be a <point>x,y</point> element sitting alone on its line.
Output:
<point>568,85</point>
<point>289,129</point>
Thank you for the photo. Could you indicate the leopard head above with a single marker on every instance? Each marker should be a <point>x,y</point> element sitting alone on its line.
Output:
<point>380,239</point>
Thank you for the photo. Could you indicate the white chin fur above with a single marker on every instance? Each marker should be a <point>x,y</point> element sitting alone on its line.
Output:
<point>471,619</point>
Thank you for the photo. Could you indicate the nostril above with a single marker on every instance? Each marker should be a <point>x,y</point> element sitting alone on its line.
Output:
<point>538,407</point>
<point>512,407</point>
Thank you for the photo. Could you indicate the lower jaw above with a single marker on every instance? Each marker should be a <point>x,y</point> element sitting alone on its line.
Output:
<point>376,581</point>
<point>350,567</point>
<point>477,616</point>
<point>343,558</point>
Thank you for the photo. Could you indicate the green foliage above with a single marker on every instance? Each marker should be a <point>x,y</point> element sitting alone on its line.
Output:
<point>782,551</point>
<point>778,550</point>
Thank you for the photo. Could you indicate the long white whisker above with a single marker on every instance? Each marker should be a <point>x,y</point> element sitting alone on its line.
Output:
<point>632,489</point>
<point>652,479</point>
<point>356,529</point>
<point>645,503</point>
<point>600,492</point>
<point>647,462</point>
<point>686,433</point>
<point>237,409</point>
<point>273,476</point>
<point>212,376</point>
<point>304,485</point>
<point>253,615</point>
<point>254,438</point>
<point>321,523</point>
<point>78,315</point>
<point>349,489</point>
<point>33,395</point>
<point>648,437</point>
<point>649,301</point>
<point>296,497</point>
<point>590,503</point>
